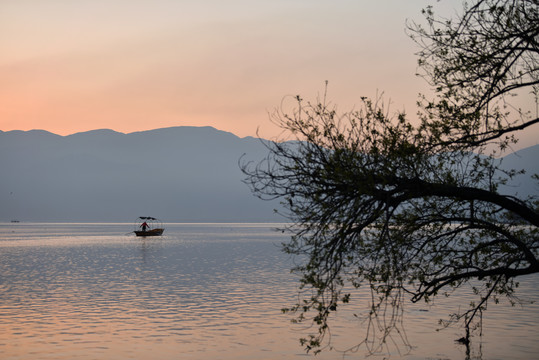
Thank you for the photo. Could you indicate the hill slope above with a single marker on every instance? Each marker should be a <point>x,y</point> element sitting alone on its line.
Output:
<point>178,174</point>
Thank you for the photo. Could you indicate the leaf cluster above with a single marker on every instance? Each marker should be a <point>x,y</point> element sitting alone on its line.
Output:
<point>476,64</point>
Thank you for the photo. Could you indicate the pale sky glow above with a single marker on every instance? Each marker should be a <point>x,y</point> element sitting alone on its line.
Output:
<point>131,65</point>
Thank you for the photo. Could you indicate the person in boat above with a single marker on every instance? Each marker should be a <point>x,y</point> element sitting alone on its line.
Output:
<point>144,226</point>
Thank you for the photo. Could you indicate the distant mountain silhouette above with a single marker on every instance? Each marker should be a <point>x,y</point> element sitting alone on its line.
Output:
<point>179,174</point>
<point>522,185</point>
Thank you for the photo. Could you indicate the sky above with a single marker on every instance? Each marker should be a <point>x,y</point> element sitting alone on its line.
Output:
<point>132,65</point>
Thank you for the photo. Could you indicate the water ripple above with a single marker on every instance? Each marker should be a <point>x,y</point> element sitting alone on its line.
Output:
<point>71,291</point>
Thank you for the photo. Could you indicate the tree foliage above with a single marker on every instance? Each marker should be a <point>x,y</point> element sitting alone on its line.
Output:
<point>476,64</point>
<point>412,209</point>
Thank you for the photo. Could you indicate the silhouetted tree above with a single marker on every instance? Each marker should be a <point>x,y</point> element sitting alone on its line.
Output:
<point>413,211</point>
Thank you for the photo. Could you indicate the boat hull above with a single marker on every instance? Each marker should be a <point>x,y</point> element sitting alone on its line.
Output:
<point>152,232</point>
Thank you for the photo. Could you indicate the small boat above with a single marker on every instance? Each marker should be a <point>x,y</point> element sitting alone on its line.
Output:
<point>148,226</point>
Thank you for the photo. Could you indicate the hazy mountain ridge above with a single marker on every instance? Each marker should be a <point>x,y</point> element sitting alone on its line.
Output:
<point>179,174</point>
<point>525,159</point>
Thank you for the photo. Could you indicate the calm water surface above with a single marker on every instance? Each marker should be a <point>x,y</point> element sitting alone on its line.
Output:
<point>202,291</point>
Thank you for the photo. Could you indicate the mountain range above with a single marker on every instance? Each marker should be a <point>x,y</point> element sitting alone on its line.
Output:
<point>178,174</point>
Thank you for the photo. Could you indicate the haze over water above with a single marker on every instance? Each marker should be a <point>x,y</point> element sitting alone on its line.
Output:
<point>202,291</point>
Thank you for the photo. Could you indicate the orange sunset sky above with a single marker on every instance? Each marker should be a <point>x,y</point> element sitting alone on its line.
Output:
<point>131,65</point>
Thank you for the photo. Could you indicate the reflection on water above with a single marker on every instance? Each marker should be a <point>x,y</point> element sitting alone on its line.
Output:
<point>212,291</point>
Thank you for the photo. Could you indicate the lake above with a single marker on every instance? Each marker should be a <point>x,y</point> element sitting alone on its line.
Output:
<point>201,291</point>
